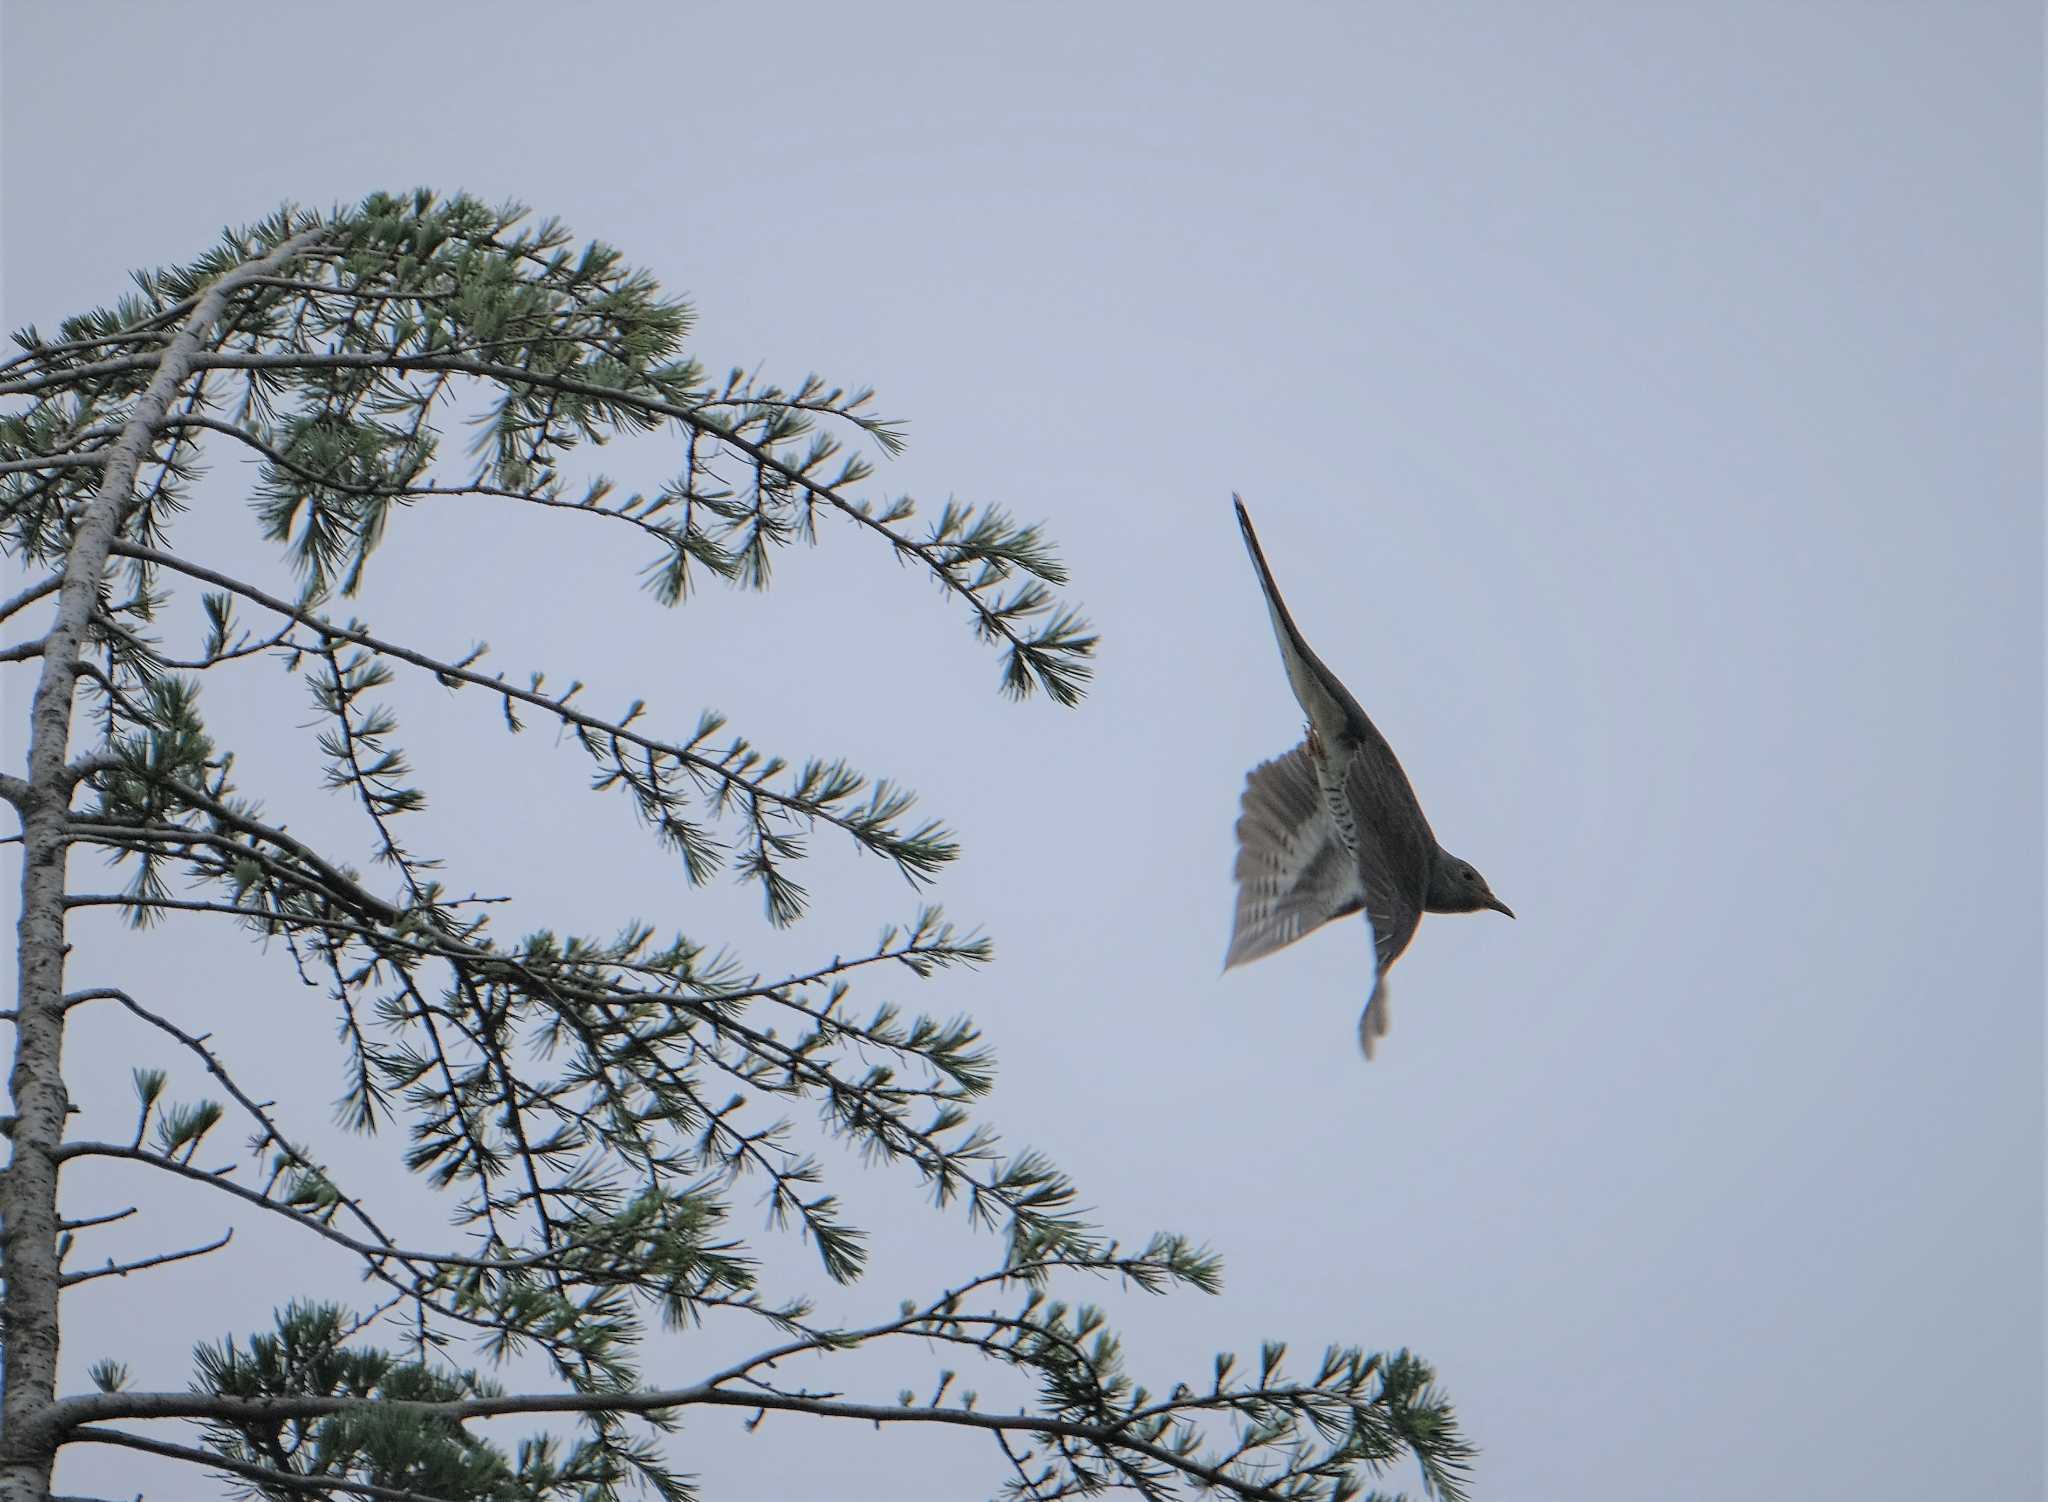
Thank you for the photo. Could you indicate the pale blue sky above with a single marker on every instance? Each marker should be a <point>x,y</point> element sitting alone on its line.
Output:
<point>1641,406</point>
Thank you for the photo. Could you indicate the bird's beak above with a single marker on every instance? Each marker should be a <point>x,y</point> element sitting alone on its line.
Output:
<point>1498,906</point>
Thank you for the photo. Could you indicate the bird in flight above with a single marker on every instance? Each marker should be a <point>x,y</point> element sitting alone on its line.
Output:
<point>1333,828</point>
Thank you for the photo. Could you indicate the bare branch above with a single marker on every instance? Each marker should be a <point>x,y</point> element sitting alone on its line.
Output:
<point>30,595</point>
<point>97,1220</point>
<point>271,1135</point>
<point>52,461</point>
<point>287,1480</point>
<point>371,1251</point>
<point>115,1269</point>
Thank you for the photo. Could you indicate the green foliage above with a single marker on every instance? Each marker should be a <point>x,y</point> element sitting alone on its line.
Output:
<point>594,1109</point>
<point>404,300</point>
<point>384,1443</point>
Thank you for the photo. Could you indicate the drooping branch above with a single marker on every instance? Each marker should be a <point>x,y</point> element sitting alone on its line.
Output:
<point>1054,658</point>
<point>915,854</point>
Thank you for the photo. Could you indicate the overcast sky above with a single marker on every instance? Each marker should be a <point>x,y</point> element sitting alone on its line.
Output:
<point>1641,406</point>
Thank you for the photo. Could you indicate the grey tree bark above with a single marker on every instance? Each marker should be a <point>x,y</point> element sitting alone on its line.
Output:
<point>29,1225</point>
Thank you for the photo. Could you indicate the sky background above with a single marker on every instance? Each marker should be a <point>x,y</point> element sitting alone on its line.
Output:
<point>1641,406</point>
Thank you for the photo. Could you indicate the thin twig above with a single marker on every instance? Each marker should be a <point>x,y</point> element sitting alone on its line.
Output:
<point>96,1220</point>
<point>115,1269</point>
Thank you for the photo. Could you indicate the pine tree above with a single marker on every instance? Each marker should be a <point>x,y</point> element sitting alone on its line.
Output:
<point>584,1105</point>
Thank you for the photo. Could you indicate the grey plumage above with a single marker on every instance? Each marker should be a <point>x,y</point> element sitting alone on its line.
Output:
<point>1333,828</point>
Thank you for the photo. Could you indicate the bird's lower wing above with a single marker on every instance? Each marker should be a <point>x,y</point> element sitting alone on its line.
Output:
<point>1293,871</point>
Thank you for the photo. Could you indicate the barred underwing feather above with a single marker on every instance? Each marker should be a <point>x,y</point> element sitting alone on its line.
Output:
<point>1293,872</point>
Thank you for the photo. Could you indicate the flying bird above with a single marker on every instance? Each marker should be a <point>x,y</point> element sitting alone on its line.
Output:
<point>1333,828</point>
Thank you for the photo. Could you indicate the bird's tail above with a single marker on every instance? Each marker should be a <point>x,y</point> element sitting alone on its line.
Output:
<point>1372,1022</point>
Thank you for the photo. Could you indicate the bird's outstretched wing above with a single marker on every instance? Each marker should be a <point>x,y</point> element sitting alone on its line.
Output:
<point>1293,872</point>
<point>1336,720</point>
<point>1332,713</point>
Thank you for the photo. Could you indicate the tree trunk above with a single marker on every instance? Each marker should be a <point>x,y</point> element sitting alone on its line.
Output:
<point>28,1187</point>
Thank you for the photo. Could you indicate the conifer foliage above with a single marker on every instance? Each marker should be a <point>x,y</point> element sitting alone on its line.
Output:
<point>586,1106</point>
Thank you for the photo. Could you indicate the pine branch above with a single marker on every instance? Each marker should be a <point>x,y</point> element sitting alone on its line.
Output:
<point>1053,659</point>
<point>914,853</point>
<point>262,1475</point>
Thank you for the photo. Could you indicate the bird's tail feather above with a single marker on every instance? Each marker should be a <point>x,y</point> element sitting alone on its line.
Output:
<point>1372,1022</point>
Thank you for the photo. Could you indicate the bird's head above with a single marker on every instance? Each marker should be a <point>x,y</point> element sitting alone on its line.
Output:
<point>1456,886</point>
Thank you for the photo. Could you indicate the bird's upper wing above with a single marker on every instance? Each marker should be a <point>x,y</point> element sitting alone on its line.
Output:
<point>1293,872</point>
<point>1333,715</point>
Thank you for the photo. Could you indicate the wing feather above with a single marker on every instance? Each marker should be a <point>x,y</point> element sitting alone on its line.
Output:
<point>1293,872</point>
